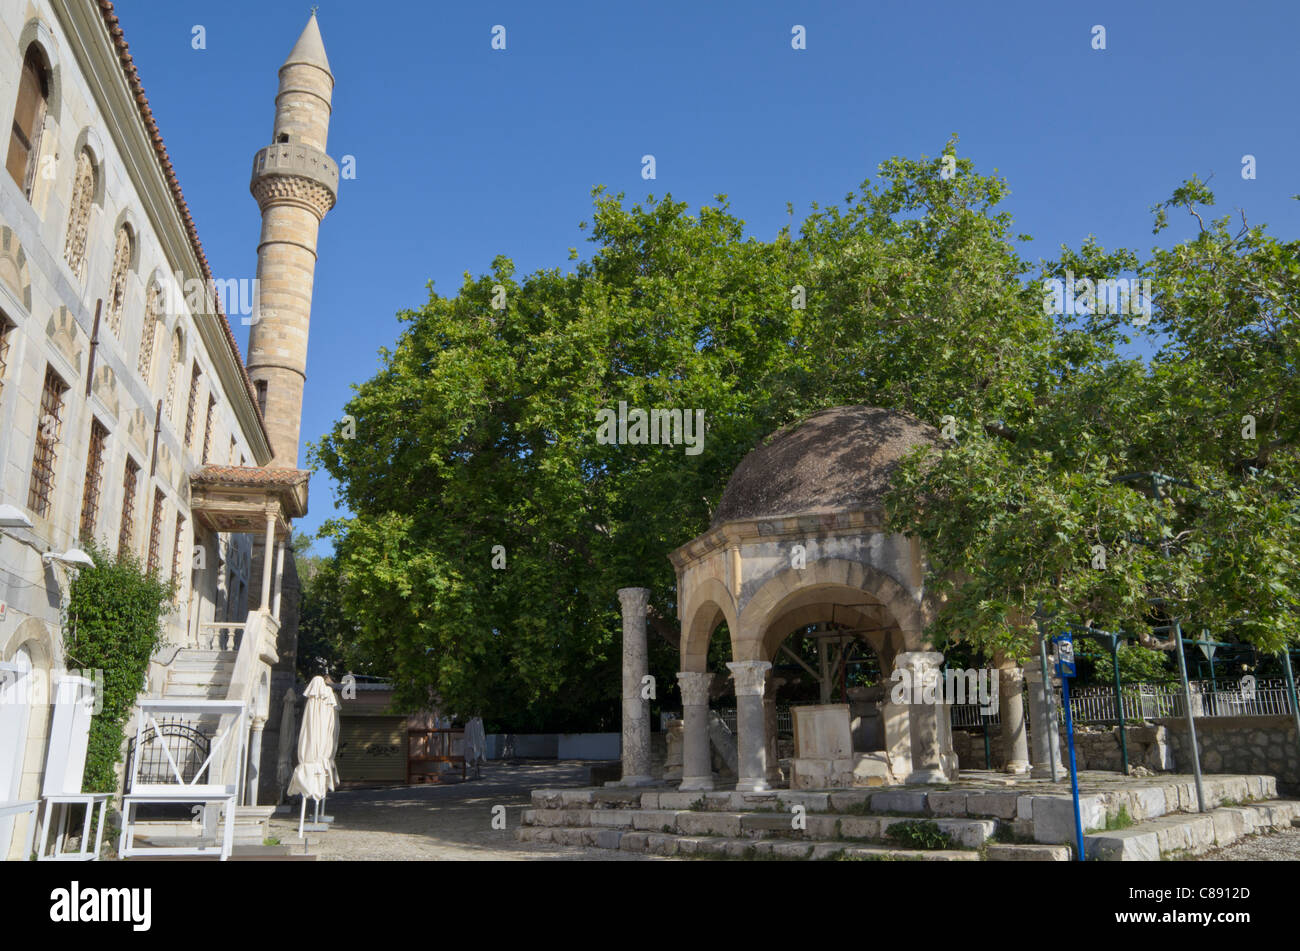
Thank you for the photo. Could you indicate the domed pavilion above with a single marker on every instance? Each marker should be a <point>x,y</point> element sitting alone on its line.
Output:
<point>798,544</point>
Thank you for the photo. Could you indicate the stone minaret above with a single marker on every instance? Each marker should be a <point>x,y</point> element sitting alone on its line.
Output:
<point>295,184</point>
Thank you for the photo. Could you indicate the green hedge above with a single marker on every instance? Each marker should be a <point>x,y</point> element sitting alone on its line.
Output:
<point>113,623</point>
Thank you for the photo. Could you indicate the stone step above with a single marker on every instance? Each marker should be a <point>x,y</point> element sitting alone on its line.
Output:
<point>966,833</point>
<point>215,690</point>
<point>199,676</point>
<point>661,843</point>
<point>1180,833</point>
<point>1037,812</point>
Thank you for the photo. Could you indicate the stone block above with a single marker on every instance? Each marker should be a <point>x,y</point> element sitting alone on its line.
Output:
<point>954,804</point>
<point>612,818</point>
<point>1122,845</point>
<point>1148,802</point>
<point>968,833</point>
<point>812,802</point>
<point>1002,805</point>
<point>822,827</point>
<point>693,845</point>
<point>602,838</point>
<point>1053,817</point>
<point>654,820</point>
<point>741,801</point>
<point>708,823</point>
<point>1000,852</point>
<point>633,842</point>
<point>1229,826</point>
<point>575,797</point>
<point>658,843</point>
<point>844,800</point>
<point>860,827</point>
<point>822,731</point>
<point>791,850</point>
<point>679,800</point>
<point>765,822</point>
<point>898,800</point>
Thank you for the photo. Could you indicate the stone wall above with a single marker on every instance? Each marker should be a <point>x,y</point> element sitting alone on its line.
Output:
<point>1228,745</point>
<point>1241,745</point>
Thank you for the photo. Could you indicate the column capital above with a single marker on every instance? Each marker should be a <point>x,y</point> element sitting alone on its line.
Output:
<point>749,676</point>
<point>634,599</point>
<point>919,661</point>
<point>1011,676</point>
<point>695,687</point>
<point>257,723</point>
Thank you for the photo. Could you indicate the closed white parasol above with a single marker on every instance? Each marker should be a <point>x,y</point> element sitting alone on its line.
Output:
<point>314,775</point>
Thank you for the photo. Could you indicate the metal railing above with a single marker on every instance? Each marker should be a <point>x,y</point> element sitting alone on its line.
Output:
<point>784,721</point>
<point>1157,701</point>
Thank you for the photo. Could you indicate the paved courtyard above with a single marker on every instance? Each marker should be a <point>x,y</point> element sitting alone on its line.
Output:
<point>443,822</point>
<point>454,821</point>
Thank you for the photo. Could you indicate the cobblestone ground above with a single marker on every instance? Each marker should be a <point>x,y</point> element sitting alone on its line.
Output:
<point>1283,846</point>
<point>443,822</point>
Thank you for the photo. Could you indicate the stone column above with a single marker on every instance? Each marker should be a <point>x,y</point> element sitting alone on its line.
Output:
<point>254,759</point>
<point>267,561</point>
<point>751,742</point>
<point>1011,707</point>
<point>279,577</point>
<point>1044,732</point>
<point>772,729</point>
<point>923,715</point>
<point>636,711</point>
<point>697,768</point>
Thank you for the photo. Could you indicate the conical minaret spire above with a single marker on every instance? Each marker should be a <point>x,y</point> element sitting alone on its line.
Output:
<point>295,184</point>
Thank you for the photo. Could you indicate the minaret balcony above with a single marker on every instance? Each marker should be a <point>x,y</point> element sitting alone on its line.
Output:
<point>295,160</point>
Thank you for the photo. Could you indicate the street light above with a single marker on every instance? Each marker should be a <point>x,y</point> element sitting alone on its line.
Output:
<point>70,558</point>
<point>12,517</point>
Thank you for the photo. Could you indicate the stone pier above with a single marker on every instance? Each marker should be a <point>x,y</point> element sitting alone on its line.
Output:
<point>636,709</point>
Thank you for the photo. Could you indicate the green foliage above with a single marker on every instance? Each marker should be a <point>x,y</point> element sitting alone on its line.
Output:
<point>922,834</point>
<point>113,623</point>
<point>327,637</point>
<point>1121,820</point>
<point>477,437</point>
<point>1013,516</point>
<point>480,428</point>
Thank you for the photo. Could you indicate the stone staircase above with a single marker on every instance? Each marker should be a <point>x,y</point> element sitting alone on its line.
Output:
<point>985,817</point>
<point>196,674</point>
<point>199,675</point>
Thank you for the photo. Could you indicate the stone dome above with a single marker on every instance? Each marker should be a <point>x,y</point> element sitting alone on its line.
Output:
<point>837,460</point>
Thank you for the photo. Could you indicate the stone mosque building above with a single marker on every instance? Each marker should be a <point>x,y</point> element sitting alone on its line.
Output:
<point>127,414</point>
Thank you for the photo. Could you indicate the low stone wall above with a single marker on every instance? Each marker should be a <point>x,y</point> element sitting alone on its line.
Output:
<point>1241,745</point>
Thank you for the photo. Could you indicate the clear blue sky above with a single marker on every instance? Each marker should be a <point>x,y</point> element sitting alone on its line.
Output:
<point>463,152</point>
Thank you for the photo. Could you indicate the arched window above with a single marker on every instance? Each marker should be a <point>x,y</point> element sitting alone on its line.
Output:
<point>173,371</point>
<point>117,282</point>
<point>29,120</point>
<point>83,197</point>
<point>152,319</point>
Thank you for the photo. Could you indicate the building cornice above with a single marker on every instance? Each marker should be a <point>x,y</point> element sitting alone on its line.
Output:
<point>100,50</point>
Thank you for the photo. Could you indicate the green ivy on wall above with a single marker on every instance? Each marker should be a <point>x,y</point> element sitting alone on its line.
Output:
<point>113,623</point>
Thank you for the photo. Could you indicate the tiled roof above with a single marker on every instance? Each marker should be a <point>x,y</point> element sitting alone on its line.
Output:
<point>151,127</point>
<point>249,475</point>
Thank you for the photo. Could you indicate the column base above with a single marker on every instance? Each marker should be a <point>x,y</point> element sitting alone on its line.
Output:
<point>753,785</point>
<point>1017,767</point>
<point>925,776</point>
<point>696,784</point>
